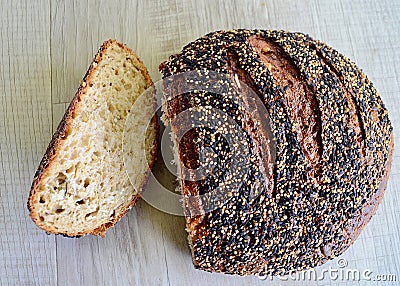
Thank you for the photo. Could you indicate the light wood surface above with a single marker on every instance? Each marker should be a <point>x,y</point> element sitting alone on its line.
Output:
<point>45,50</point>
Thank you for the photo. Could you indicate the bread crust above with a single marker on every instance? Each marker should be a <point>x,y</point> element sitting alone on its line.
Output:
<point>319,203</point>
<point>370,209</point>
<point>55,143</point>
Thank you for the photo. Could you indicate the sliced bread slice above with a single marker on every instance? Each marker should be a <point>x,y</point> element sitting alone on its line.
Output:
<point>81,186</point>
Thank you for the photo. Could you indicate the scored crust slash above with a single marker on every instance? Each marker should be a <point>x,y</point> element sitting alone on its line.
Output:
<point>333,141</point>
<point>296,139</point>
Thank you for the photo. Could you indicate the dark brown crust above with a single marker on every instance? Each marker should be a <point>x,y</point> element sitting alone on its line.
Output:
<point>312,217</point>
<point>371,207</point>
<point>300,100</point>
<point>263,138</point>
<point>60,133</point>
<point>356,120</point>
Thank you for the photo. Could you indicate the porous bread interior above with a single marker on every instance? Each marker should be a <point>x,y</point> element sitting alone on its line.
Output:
<point>86,185</point>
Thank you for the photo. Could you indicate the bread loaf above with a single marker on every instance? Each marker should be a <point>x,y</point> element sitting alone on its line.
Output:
<point>81,186</point>
<point>316,170</point>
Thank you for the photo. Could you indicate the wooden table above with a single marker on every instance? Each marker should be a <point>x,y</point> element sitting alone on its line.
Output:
<point>45,49</point>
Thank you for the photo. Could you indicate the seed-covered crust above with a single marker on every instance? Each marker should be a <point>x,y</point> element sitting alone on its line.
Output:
<point>333,141</point>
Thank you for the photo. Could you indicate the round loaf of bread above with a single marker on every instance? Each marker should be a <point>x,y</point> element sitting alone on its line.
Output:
<point>323,180</point>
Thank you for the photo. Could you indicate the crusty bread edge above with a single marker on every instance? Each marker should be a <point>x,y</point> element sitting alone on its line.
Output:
<point>375,200</point>
<point>351,234</point>
<point>54,145</point>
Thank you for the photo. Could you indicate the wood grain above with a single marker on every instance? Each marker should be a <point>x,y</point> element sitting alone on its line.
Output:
<point>45,51</point>
<point>27,256</point>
